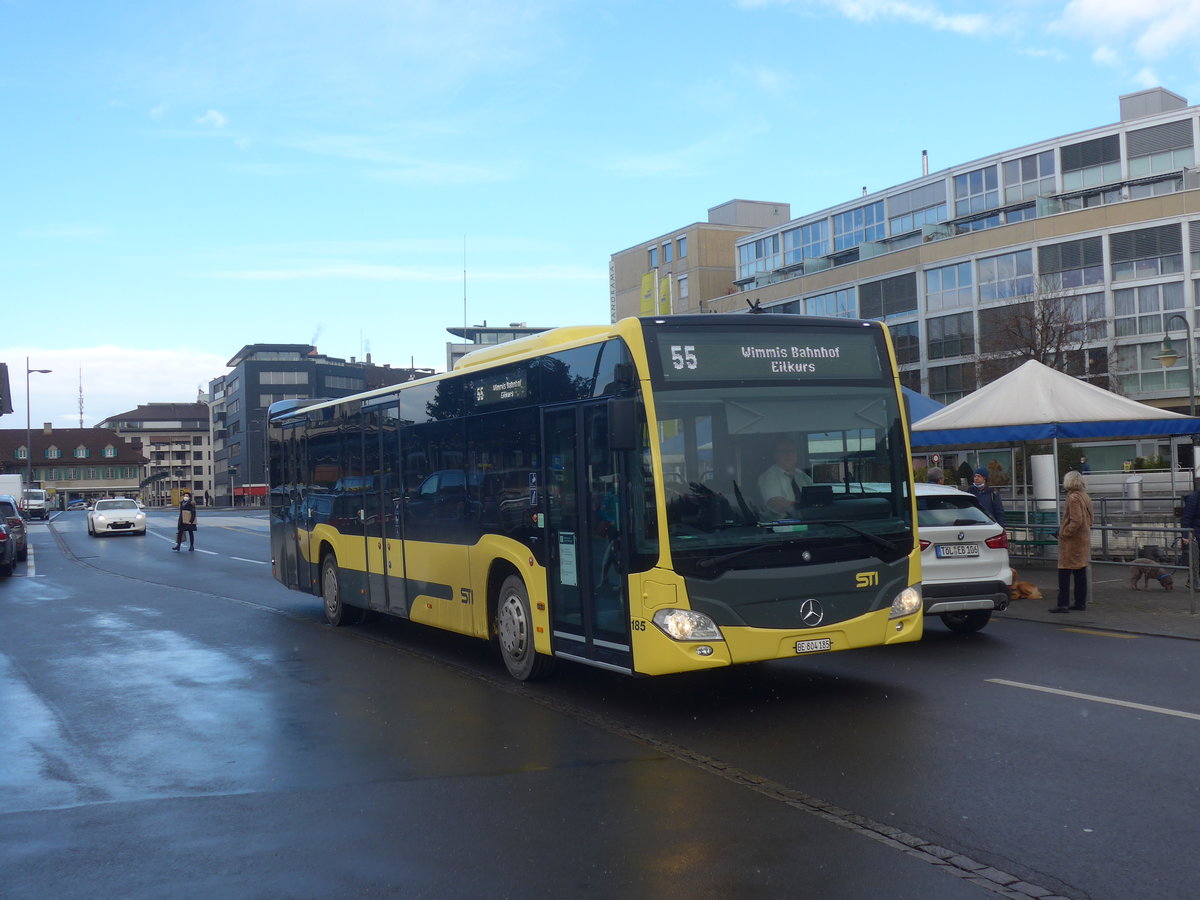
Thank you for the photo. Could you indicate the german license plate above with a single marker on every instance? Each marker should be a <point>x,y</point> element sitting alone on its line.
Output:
<point>813,646</point>
<point>945,551</point>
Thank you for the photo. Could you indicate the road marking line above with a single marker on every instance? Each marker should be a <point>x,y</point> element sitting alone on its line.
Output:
<point>1128,637</point>
<point>1110,701</point>
<point>257,562</point>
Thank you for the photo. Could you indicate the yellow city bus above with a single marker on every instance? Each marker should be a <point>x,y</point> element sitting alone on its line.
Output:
<point>600,494</point>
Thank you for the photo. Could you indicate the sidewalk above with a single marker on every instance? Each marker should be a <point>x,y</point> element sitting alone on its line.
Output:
<point>1114,605</point>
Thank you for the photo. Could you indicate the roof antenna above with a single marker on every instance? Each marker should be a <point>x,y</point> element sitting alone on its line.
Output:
<point>755,305</point>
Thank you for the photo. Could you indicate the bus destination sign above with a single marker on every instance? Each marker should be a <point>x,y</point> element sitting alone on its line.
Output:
<point>501,388</point>
<point>768,355</point>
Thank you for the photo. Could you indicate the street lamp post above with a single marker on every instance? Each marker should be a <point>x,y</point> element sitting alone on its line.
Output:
<point>1168,356</point>
<point>29,430</point>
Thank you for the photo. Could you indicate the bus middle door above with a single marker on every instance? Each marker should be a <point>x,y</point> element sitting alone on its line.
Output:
<point>588,600</point>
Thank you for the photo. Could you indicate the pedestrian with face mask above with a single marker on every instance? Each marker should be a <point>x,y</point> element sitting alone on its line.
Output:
<point>987,497</point>
<point>187,522</point>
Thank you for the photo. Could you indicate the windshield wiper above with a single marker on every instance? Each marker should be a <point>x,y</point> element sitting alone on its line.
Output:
<point>873,538</point>
<point>710,561</point>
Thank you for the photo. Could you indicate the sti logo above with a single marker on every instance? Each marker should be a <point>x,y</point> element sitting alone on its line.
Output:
<point>866,579</point>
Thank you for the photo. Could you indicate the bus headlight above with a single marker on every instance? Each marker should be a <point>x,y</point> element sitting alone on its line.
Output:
<point>907,602</point>
<point>687,625</point>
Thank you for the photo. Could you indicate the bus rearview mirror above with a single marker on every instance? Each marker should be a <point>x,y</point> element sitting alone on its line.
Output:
<point>622,424</point>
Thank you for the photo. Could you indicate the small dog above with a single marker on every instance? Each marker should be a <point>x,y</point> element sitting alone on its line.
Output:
<point>1147,570</point>
<point>1023,590</point>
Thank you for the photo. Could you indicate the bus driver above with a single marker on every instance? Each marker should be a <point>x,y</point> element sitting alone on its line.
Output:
<point>780,484</point>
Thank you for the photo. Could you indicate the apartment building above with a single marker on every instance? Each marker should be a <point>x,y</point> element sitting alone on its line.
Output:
<point>1084,246</point>
<point>177,441</point>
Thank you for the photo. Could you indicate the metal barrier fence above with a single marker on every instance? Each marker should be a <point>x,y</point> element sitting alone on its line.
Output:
<point>1140,536</point>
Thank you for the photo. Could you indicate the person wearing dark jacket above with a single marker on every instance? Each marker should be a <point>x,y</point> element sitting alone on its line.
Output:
<point>1190,522</point>
<point>186,524</point>
<point>988,498</point>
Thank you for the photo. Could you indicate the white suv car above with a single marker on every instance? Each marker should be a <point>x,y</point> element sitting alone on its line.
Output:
<point>964,558</point>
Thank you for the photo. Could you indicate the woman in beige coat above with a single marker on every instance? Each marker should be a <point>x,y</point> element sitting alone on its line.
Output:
<point>1074,544</point>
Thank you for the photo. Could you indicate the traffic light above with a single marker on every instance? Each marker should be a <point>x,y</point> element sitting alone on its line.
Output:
<point>5,392</point>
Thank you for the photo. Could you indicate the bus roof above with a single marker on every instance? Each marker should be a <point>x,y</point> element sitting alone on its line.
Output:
<point>531,344</point>
<point>535,344</point>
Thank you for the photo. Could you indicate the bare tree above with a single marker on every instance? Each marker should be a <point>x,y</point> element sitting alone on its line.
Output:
<point>1049,325</point>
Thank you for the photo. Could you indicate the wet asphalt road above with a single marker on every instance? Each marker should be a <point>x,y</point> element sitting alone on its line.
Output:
<point>180,725</point>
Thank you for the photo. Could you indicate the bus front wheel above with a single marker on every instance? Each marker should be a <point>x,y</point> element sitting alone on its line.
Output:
<point>514,630</point>
<point>336,612</point>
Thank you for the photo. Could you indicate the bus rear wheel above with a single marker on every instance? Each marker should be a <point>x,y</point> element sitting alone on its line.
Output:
<point>514,631</point>
<point>336,612</point>
<point>967,622</point>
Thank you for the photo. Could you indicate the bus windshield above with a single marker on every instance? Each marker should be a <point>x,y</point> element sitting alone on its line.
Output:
<point>748,485</point>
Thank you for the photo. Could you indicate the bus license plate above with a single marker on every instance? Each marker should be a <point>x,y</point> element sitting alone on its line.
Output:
<point>945,551</point>
<point>813,646</point>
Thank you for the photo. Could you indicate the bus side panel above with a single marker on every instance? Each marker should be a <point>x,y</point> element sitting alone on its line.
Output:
<point>440,590</point>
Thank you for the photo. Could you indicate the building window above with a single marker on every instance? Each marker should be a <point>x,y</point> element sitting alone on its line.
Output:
<point>930,215</point>
<point>1160,148</point>
<point>948,287</point>
<point>283,378</point>
<point>653,258</point>
<point>1155,188</point>
<point>1139,371</point>
<point>681,244</point>
<point>951,336</point>
<point>950,383</point>
<point>1022,214</point>
<point>666,250</point>
<point>1089,308</point>
<point>1091,163</point>
<point>345,382</point>
<point>1029,177</point>
<point>91,473</point>
<point>53,453</point>
<point>22,453</point>
<point>762,255</point>
<point>1146,253</point>
<point>681,283</point>
<point>109,452</point>
<point>976,191</point>
<point>1006,276</point>
<point>1069,265</point>
<point>906,339</point>
<point>836,303</point>
<point>81,452</point>
<point>1140,310</point>
<point>894,296</point>
<point>866,223</point>
<point>806,242</point>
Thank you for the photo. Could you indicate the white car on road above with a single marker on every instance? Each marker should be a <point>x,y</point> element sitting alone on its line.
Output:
<point>117,515</point>
<point>964,558</point>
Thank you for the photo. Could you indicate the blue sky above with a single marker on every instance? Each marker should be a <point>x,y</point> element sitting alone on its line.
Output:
<point>184,178</point>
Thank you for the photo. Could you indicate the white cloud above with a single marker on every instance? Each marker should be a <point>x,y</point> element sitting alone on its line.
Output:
<point>891,11</point>
<point>1147,78</point>
<point>113,379</point>
<point>1148,29</point>
<point>159,111</point>
<point>213,118</point>
<point>1105,56</point>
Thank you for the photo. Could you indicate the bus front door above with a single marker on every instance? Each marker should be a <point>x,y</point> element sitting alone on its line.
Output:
<point>589,608</point>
